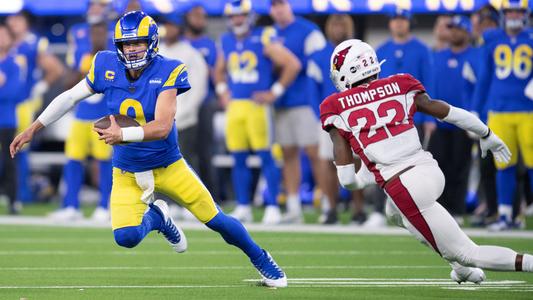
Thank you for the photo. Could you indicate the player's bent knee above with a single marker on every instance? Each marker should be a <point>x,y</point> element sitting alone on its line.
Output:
<point>127,237</point>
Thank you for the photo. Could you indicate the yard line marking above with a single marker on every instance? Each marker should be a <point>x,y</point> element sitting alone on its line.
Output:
<point>208,252</point>
<point>120,268</point>
<point>293,228</point>
<point>121,286</point>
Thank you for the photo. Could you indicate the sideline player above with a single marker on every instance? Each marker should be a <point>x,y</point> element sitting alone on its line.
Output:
<point>374,118</point>
<point>505,88</point>
<point>244,74</point>
<point>142,84</point>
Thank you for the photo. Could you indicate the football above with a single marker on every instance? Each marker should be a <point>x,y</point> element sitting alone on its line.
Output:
<point>122,121</point>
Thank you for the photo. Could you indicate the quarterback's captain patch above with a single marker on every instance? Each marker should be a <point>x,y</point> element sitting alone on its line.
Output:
<point>109,75</point>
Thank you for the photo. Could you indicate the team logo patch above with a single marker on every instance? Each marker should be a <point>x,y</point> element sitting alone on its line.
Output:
<point>338,61</point>
<point>109,75</point>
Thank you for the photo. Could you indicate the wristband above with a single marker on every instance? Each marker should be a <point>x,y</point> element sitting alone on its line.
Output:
<point>132,134</point>
<point>486,135</point>
<point>277,89</point>
<point>221,88</point>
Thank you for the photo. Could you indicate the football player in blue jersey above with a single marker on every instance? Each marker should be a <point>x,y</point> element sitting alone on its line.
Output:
<point>10,83</point>
<point>505,86</point>
<point>85,40</point>
<point>294,114</point>
<point>31,54</point>
<point>244,76</point>
<point>139,83</point>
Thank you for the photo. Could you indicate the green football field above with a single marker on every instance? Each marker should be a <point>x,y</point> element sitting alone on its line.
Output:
<point>84,263</point>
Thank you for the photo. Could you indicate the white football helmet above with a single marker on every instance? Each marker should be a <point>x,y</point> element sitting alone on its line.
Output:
<point>352,61</point>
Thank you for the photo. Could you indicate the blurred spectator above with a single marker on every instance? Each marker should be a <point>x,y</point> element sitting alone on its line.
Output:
<point>11,82</point>
<point>85,40</point>
<point>505,83</point>
<point>31,54</point>
<point>188,104</point>
<point>195,32</point>
<point>451,146</point>
<point>441,32</point>
<point>486,18</point>
<point>338,29</point>
<point>295,119</point>
<point>244,75</point>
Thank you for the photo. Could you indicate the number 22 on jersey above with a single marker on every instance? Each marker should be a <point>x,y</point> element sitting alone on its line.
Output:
<point>378,121</point>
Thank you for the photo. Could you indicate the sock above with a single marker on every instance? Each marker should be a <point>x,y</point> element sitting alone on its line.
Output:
<point>73,174</point>
<point>106,181</point>
<point>527,263</point>
<point>506,185</point>
<point>242,178</point>
<point>235,234</point>
<point>293,204</point>
<point>272,175</point>
<point>23,177</point>
<point>505,212</point>
<point>131,236</point>
<point>530,174</point>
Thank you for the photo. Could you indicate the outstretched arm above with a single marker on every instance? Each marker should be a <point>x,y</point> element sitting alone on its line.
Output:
<point>57,108</point>
<point>342,153</point>
<point>464,120</point>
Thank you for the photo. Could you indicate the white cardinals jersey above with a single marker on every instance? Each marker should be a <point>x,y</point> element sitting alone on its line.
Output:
<point>377,120</point>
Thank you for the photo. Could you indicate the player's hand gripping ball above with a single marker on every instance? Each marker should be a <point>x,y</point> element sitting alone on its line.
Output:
<point>109,127</point>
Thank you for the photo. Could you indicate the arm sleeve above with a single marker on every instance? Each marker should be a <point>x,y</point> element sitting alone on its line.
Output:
<point>64,102</point>
<point>466,120</point>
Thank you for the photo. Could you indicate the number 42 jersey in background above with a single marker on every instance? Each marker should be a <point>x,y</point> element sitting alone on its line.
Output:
<point>377,120</point>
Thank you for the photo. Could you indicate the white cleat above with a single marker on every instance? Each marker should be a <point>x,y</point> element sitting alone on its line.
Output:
<point>101,215</point>
<point>172,232</point>
<point>272,275</point>
<point>529,210</point>
<point>66,214</point>
<point>375,220</point>
<point>243,213</point>
<point>466,274</point>
<point>272,215</point>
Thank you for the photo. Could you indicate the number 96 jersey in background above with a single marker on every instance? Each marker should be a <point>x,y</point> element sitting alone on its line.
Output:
<point>377,120</point>
<point>138,99</point>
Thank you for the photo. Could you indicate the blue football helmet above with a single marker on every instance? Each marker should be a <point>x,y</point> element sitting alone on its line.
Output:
<point>520,5</point>
<point>240,7</point>
<point>136,26</point>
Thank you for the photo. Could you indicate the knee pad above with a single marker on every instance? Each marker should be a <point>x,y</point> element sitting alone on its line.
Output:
<point>127,237</point>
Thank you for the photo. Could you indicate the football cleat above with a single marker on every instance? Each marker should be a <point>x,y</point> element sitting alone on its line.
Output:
<point>375,220</point>
<point>66,214</point>
<point>174,235</point>
<point>272,274</point>
<point>466,274</point>
<point>272,215</point>
<point>243,213</point>
<point>100,215</point>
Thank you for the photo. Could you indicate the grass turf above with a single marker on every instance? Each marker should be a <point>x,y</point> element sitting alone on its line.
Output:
<point>78,263</point>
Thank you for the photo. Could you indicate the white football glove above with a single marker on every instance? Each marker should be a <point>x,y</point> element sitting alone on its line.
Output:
<point>497,146</point>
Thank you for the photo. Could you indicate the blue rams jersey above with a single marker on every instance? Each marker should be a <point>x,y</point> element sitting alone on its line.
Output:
<point>26,55</point>
<point>318,70</point>
<point>504,72</point>
<point>138,99</point>
<point>208,49</point>
<point>79,58</point>
<point>249,70</point>
<point>450,82</point>
<point>11,83</point>
<point>412,57</point>
<point>302,38</point>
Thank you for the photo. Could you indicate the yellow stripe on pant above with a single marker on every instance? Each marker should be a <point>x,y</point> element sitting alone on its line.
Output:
<point>82,142</point>
<point>177,181</point>
<point>516,131</point>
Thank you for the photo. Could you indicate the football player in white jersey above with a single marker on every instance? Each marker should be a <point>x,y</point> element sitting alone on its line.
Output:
<point>374,118</point>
